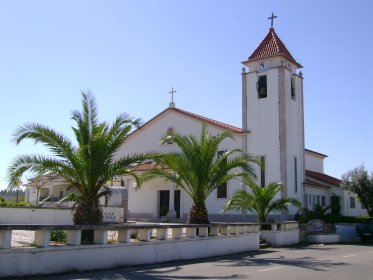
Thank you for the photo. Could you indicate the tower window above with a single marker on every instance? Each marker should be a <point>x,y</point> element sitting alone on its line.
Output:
<point>262,172</point>
<point>222,190</point>
<point>292,86</point>
<point>295,175</point>
<point>261,87</point>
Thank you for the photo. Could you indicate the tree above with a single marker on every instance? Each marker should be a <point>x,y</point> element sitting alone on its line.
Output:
<point>87,166</point>
<point>198,169</point>
<point>359,182</point>
<point>37,183</point>
<point>260,200</point>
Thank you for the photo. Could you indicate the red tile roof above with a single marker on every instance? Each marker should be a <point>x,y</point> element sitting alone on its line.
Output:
<point>209,121</point>
<point>323,178</point>
<point>272,46</point>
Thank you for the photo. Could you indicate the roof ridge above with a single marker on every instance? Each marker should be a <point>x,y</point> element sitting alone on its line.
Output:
<point>223,125</point>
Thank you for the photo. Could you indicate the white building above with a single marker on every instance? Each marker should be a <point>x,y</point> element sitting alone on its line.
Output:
<point>272,128</point>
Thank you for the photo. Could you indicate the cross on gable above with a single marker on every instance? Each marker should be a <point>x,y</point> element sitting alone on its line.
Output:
<point>272,18</point>
<point>172,94</point>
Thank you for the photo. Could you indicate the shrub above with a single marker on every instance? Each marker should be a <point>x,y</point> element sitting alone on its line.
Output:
<point>332,219</point>
<point>58,236</point>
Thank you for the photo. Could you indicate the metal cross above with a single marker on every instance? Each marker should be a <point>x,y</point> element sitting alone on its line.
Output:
<point>172,94</point>
<point>272,18</point>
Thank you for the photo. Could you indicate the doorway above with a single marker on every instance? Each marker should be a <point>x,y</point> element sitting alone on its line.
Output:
<point>164,201</point>
<point>177,203</point>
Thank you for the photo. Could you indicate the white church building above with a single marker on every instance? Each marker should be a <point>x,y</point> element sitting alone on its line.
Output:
<point>272,129</point>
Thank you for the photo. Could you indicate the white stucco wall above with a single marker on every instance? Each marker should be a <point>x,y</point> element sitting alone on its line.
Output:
<point>294,137</point>
<point>314,162</point>
<point>265,123</point>
<point>145,201</point>
<point>313,192</point>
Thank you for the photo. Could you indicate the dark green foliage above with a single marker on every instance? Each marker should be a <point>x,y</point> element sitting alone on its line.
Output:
<point>72,197</point>
<point>336,205</point>
<point>260,200</point>
<point>164,211</point>
<point>320,213</point>
<point>4,202</point>
<point>58,236</point>
<point>87,166</point>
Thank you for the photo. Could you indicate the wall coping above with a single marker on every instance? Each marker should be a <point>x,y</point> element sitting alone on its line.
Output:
<point>115,226</point>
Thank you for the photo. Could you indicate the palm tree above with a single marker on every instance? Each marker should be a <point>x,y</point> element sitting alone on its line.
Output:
<point>198,170</point>
<point>260,200</point>
<point>87,166</point>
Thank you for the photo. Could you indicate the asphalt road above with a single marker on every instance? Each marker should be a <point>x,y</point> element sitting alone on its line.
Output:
<point>316,262</point>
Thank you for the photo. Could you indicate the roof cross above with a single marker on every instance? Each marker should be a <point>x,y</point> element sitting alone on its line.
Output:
<point>172,103</point>
<point>272,18</point>
<point>172,94</point>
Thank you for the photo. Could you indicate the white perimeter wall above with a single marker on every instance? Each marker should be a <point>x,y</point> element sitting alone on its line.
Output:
<point>62,259</point>
<point>52,216</point>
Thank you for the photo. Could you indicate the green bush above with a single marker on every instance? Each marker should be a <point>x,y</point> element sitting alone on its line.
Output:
<point>332,219</point>
<point>58,236</point>
<point>4,202</point>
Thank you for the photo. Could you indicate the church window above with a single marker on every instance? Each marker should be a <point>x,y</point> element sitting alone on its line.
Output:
<point>318,200</point>
<point>222,190</point>
<point>295,175</point>
<point>305,200</point>
<point>262,172</point>
<point>261,87</point>
<point>323,200</point>
<point>310,199</point>
<point>121,182</point>
<point>352,202</point>
<point>292,87</point>
<point>170,132</point>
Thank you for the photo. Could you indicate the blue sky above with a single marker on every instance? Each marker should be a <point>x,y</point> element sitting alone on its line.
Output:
<point>130,54</point>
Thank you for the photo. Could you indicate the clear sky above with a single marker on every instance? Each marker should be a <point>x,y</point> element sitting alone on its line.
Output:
<point>130,54</point>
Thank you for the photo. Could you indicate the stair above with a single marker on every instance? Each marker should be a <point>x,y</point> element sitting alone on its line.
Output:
<point>263,244</point>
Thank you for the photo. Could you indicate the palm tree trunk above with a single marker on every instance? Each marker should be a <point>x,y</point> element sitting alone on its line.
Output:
<point>198,215</point>
<point>88,213</point>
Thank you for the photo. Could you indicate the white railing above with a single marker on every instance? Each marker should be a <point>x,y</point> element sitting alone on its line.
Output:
<point>145,232</point>
<point>136,244</point>
<point>281,233</point>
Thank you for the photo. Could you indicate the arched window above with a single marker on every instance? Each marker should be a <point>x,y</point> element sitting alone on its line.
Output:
<point>170,131</point>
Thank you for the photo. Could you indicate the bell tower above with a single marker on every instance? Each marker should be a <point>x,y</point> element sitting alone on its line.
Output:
<point>272,113</point>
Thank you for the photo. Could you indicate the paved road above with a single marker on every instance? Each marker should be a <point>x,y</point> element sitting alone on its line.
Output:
<point>316,262</point>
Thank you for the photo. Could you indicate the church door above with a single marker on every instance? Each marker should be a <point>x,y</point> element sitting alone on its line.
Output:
<point>164,201</point>
<point>177,203</point>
